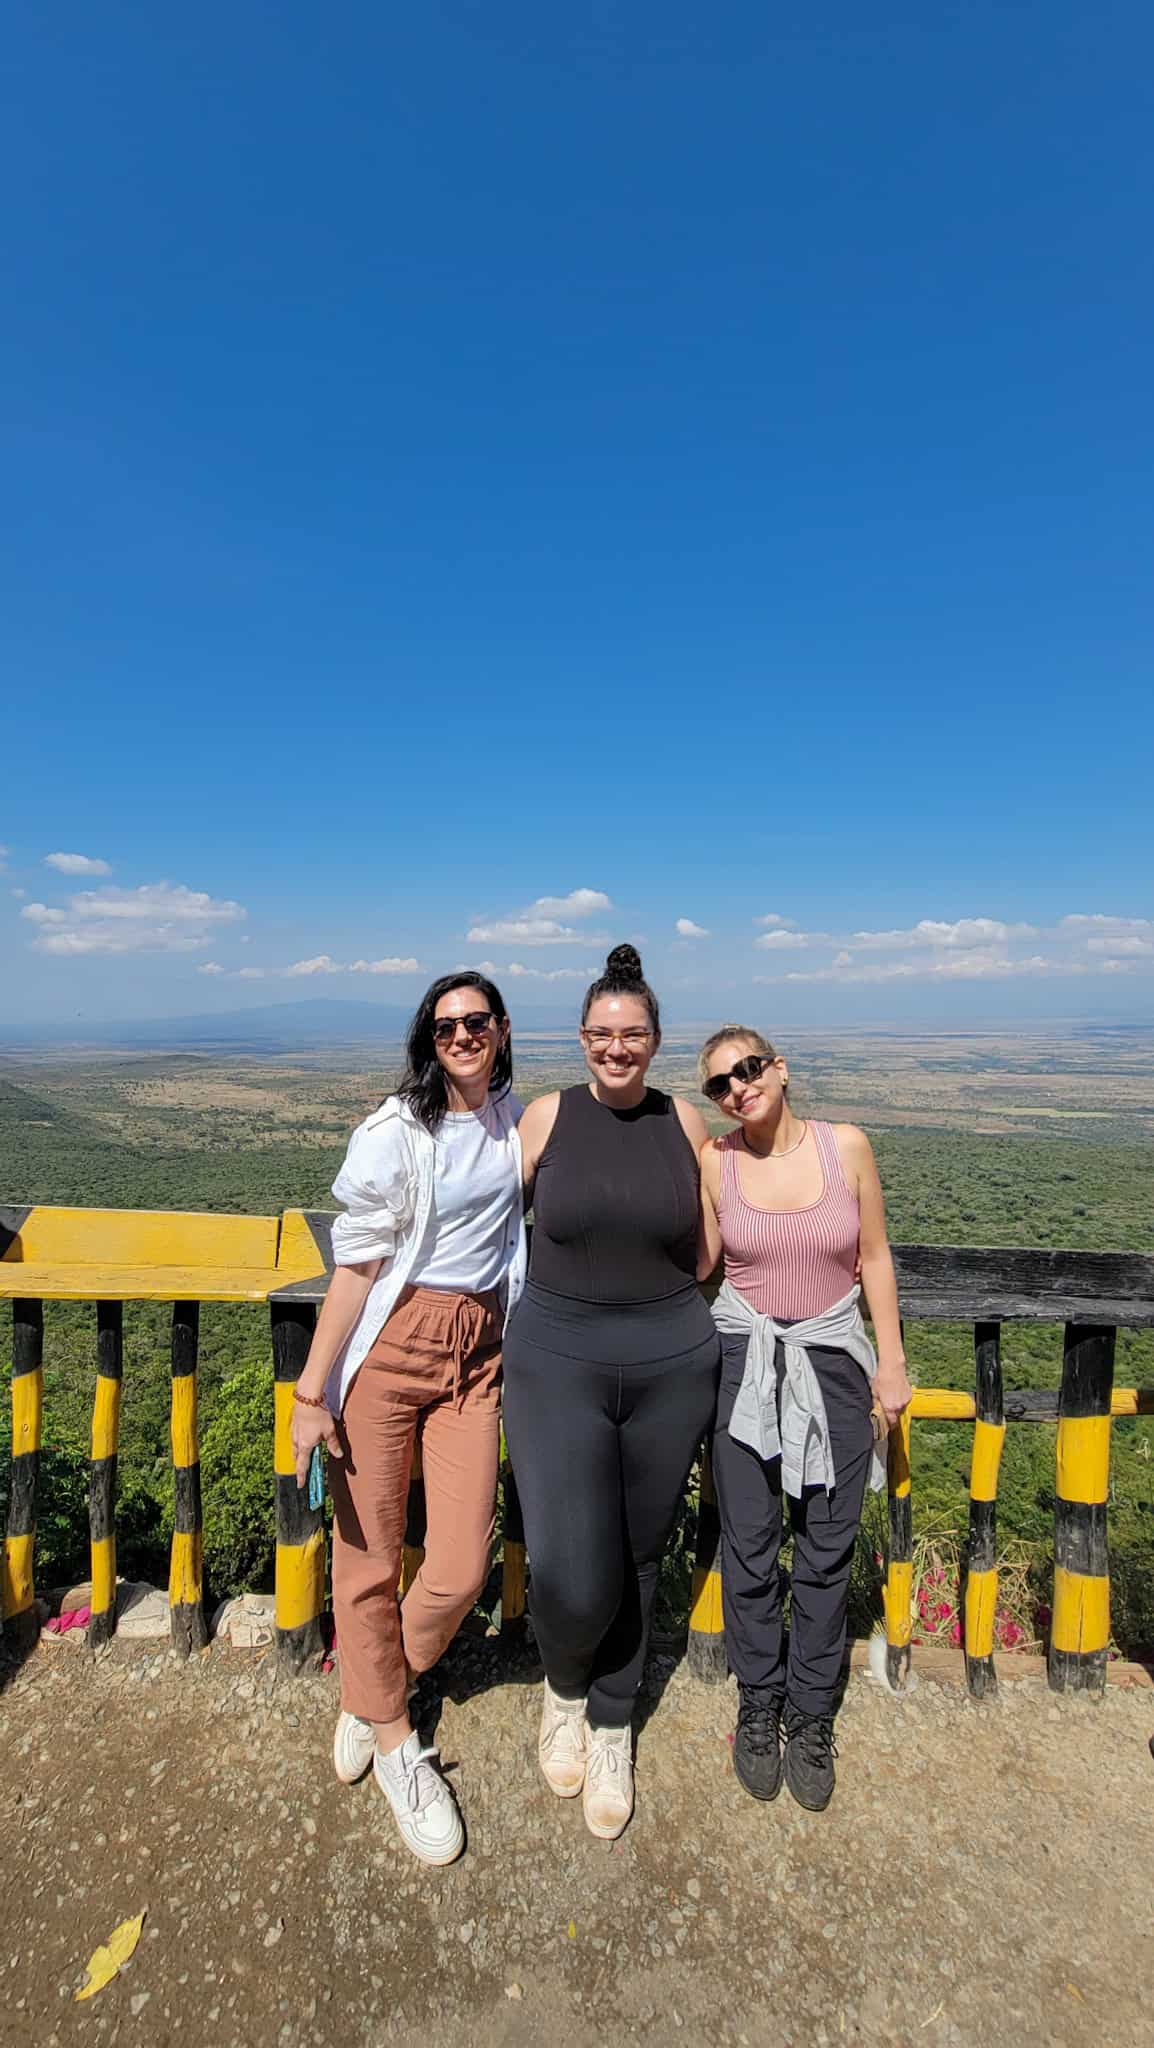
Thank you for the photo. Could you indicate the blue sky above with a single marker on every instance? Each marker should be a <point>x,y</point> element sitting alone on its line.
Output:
<point>459,458</point>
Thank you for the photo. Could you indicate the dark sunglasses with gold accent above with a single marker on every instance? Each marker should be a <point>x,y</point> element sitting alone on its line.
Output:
<point>476,1023</point>
<point>749,1069</point>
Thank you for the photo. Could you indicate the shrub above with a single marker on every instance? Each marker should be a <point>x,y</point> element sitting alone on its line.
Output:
<point>236,1471</point>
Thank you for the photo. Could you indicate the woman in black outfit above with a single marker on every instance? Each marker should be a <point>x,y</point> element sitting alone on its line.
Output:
<point>611,1368</point>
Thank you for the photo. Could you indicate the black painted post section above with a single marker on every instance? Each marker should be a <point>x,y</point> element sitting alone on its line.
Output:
<point>20,1620</point>
<point>102,1473</point>
<point>981,1549</point>
<point>186,1576</point>
<point>1080,1625</point>
<point>512,1557</point>
<point>300,1556</point>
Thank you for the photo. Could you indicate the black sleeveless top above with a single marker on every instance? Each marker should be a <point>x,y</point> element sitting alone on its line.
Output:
<point>616,1202</point>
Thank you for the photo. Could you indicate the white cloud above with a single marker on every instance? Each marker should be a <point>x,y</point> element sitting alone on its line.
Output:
<point>772,920</point>
<point>1118,943</point>
<point>76,864</point>
<point>529,931</point>
<point>688,930</point>
<point>18,893</point>
<point>578,903</point>
<point>210,967</point>
<point>935,932</point>
<point>158,917</point>
<point>979,964</point>
<point>4,852</point>
<point>320,964</point>
<point>779,937</point>
<point>540,924</point>
<point>1083,925</point>
<point>518,972</point>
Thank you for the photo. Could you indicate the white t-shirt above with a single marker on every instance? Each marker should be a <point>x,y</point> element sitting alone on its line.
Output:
<point>476,1204</point>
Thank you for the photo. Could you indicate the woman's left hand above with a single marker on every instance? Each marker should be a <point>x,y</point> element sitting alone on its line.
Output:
<point>892,1390</point>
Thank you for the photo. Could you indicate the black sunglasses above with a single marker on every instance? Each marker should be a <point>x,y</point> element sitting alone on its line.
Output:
<point>748,1069</point>
<point>445,1028</point>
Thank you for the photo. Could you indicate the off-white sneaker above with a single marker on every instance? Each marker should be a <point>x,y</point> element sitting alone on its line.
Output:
<point>562,1743</point>
<point>423,1806</point>
<point>608,1794</point>
<point>353,1746</point>
<point>354,1742</point>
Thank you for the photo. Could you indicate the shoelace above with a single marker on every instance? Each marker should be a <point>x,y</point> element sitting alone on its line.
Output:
<point>565,1724</point>
<point>605,1760</point>
<point>761,1724</point>
<point>422,1784</point>
<point>816,1739</point>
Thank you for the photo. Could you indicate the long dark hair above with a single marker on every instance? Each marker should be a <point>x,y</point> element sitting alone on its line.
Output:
<point>423,1085</point>
<point>623,977</point>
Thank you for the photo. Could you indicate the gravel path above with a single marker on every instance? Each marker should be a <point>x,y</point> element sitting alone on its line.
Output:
<point>984,1874</point>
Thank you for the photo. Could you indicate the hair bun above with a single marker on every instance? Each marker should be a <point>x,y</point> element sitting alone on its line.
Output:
<point>625,962</point>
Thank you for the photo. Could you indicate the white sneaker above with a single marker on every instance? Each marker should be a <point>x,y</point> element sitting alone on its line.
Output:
<point>354,1743</point>
<point>423,1806</point>
<point>353,1746</point>
<point>562,1743</point>
<point>608,1795</point>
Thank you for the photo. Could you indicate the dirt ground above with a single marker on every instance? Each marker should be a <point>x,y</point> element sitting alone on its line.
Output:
<point>985,1874</point>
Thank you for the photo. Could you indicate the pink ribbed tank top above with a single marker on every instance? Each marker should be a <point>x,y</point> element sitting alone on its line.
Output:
<point>790,1262</point>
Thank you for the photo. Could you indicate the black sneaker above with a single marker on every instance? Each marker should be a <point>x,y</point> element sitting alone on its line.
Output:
<point>757,1742</point>
<point>809,1757</point>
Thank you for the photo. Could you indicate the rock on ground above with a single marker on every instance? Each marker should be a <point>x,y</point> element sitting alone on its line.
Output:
<point>985,1873</point>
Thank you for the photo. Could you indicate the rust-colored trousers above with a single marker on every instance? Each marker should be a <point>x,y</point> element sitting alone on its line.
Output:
<point>435,1369</point>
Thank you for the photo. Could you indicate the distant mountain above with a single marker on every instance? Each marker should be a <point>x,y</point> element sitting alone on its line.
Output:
<point>314,1022</point>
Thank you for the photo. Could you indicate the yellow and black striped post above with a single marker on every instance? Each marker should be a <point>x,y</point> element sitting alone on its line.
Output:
<point>186,1569</point>
<point>512,1556</point>
<point>1080,1627</point>
<point>413,1550</point>
<point>706,1648</point>
<point>900,1569</point>
<point>102,1473</point>
<point>300,1535</point>
<point>18,1588</point>
<point>981,1597</point>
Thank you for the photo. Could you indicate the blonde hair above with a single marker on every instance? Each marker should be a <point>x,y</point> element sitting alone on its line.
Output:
<point>728,1031</point>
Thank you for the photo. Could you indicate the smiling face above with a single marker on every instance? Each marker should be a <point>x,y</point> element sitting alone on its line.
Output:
<point>619,1042</point>
<point>467,1057</point>
<point>754,1103</point>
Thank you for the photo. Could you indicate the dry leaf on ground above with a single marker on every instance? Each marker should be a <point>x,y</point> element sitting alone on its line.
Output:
<point>105,1961</point>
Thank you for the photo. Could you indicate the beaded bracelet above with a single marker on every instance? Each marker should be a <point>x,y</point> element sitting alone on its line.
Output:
<point>307,1401</point>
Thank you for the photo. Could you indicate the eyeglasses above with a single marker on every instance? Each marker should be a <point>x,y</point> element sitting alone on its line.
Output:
<point>477,1022</point>
<point>748,1069</point>
<point>598,1036</point>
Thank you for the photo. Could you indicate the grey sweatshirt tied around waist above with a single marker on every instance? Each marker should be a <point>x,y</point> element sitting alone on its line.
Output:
<point>801,1438</point>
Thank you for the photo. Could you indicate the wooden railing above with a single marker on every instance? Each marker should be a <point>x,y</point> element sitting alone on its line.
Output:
<point>108,1256</point>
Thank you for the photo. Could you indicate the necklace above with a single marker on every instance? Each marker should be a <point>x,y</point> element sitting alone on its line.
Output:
<point>779,1155</point>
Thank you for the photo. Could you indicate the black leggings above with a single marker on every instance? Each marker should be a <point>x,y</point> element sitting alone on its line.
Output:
<point>605,1408</point>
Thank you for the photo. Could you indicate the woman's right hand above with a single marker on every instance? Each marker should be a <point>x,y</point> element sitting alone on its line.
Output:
<point>310,1427</point>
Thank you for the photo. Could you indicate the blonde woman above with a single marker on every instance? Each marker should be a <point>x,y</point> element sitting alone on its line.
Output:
<point>796,1207</point>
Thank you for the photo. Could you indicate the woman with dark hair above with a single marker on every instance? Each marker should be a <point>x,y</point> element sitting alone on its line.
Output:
<point>429,1257</point>
<point>797,1208</point>
<point>610,1381</point>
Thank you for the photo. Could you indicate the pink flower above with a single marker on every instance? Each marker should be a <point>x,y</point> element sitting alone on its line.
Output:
<point>956,1634</point>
